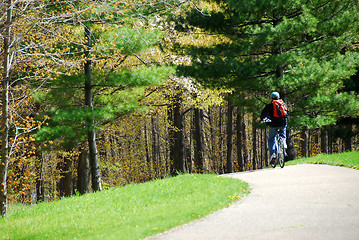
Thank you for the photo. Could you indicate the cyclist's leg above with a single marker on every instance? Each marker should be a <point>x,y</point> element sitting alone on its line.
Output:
<point>283,134</point>
<point>271,140</point>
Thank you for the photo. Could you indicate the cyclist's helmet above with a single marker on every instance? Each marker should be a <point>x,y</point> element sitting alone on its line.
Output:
<point>275,95</point>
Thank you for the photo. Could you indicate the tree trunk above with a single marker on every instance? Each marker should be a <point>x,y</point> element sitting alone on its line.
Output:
<point>347,138</point>
<point>171,136</point>
<point>240,133</point>
<point>213,140</point>
<point>254,144</point>
<point>245,145</point>
<point>266,153</point>
<point>177,138</point>
<point>198,142</point>
<point>315,141</point>
<point>5,111</point>
<point>147,146</point>
<point>188,155</point>
<point>304,147</point>
<point>310,141</point>
<point>91,134</point>
<point>221,140</point>
<point>291,154</point>
<point>83,172</point>
<point>155,144</point>
<point>261,143</point>
<point>230,138</point>
<point>348,144</point>
<point>40,188</point>
<point>330,139</point>
<point>324,140</point>
<point>68,185</point>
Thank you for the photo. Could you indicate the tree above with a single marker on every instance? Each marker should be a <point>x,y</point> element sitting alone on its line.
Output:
<point>5,108</point>
<point>112,81</point>
<point>198,139</point>
<point>90,124</point>
<point>24,33</point>
<point>241,138</point>
<point>176,135</point>
<point>230,137</point>
<point>301,49</point>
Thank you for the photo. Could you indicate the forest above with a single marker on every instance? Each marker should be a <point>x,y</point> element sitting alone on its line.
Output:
<point>102,93</point>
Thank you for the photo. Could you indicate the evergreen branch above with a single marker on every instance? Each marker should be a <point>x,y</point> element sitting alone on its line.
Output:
<point>119,61</point>
<point>271,20</point>
<point>117,89</point>
<point>141,59</point>
<point>334,14</point>
<point>293,14</point>
<point>320,6</point>
<point>154,90</point>
<point>260,100</point>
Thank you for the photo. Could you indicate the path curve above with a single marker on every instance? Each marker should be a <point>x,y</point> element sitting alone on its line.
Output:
<point>305,201</point>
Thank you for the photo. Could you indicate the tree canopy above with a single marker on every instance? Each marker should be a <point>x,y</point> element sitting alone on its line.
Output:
<point>303,49</point>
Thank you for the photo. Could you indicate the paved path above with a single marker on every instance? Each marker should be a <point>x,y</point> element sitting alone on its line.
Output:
<point>297,202</point>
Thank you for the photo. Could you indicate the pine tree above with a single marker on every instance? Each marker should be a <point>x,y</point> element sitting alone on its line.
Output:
<point>300,48</point>
<point>113,79</point>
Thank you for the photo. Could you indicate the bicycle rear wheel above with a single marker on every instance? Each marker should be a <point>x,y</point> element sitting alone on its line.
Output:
<point>274,161</point>
<point>281,152</point>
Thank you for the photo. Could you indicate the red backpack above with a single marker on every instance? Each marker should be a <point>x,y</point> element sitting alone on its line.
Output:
<point>279,108</point>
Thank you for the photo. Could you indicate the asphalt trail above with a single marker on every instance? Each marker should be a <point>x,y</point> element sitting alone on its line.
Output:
<point>297,202</point>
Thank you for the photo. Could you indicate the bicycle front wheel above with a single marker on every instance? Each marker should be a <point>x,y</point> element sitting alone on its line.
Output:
<point>273,163</point>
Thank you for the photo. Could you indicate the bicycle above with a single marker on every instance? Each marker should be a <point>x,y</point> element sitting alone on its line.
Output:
<point>279,148</point>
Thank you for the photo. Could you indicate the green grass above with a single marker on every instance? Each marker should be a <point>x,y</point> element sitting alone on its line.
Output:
<point>346,159</point>
<point>131,212</point>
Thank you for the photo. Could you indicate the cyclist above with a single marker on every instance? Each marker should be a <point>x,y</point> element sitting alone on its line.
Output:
<point>276,122</point>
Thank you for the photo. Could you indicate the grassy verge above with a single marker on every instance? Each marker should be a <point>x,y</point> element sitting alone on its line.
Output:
<point>346,159</point>
<point>131,212</point>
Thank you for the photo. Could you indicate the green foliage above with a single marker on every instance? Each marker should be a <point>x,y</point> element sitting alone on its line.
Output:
<point>118,93</point>
<point>129,40</point>
<point>118,80</point>
<point>299,48</point>
<point>132,212</point>
<point>67,131</point>
<point>137,77</point>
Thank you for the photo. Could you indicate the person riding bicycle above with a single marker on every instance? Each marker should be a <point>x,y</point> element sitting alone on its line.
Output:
<point>278,120</point>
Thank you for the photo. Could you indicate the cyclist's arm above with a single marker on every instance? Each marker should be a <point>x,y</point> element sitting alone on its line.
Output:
<point>266,111</point>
